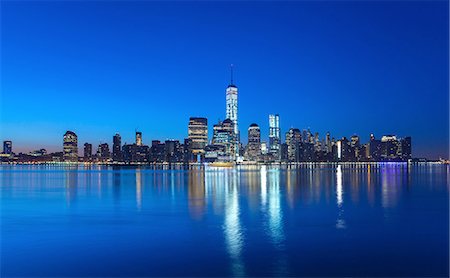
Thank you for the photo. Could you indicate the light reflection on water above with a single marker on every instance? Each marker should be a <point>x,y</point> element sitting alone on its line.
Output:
<point>340,223</point>
<point>244,221</point>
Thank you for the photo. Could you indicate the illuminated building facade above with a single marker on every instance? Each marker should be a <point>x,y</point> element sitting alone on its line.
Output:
<point>70,147</point>
<point>274,136</point>
<point>138,138</point>
<point>197,135</point>
<point>254,143</point>
<point>223,135</point>
<point>232,110</point>
<point>264,149</point>
<point>293,140</point>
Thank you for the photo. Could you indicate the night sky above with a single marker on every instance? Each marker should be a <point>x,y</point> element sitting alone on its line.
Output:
<point>347,67</point>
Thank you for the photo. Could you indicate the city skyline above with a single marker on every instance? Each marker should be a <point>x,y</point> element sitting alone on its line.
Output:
<point>348,88</point>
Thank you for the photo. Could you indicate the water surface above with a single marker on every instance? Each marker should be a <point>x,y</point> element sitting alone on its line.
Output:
<point>308,220</point>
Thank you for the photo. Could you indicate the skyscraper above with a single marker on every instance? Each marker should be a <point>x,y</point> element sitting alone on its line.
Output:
<point>293,141</point>
<point>70,146</point>
<point>354,141</point>
<point>274,136</point>
<point>87,151</point>
<point>224,136</point>
<point>389,147</point>
<point>103,151</point>
<point>405,148</point>
<point>232,108</point>
<point>7,147</point>
<point>117,147</point>
<point>138,138</point>
<point>328,142</point>
<point>254,142</point>
<point>198,134</point>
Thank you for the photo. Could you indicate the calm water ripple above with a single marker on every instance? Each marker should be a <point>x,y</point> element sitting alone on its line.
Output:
<point>384,219</point>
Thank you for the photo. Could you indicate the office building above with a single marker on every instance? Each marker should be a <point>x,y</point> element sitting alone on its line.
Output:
<point>172,151</point>
<point>374,149</point>
<point>117,148</point>
<point>354,141</point>
<point>70,147</point>
<point>328,143</point>
<point>405,147</point>
<point>264,149</point>
<point>37,153</point>
<point>254,143</point>
<point>232,110</point>
<point>293,140</point>
<point>223,135</point>
<point>103,152</point>
<point>389,147</point>
<point>134,153</point>
<point>138,138</point>
<point>157,151</point>
<point>87,154</point>
<point>274,136</point>
<point>7,147</point>
<point>197,135</point>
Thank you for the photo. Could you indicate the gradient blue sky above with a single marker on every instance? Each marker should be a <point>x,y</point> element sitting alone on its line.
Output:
<point>103,67</point>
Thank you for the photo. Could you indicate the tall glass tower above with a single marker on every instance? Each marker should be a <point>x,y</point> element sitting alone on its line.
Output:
<point>232,109</point>
<point>232,103</point>
<point>274,135</point>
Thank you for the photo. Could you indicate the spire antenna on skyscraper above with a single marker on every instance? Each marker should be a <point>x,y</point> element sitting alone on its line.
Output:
<point>231,67</point>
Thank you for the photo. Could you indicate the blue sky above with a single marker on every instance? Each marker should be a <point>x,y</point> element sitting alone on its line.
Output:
<point>347,67</point>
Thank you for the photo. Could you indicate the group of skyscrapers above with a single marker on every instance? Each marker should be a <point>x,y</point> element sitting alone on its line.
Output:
<point>226,145</point>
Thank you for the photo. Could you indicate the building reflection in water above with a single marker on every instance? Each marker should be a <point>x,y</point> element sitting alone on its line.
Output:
<point>291,187</point>
<point>275,213</point>
<point>275,220</point>
<point>340,222</point>
<point>263,174</point>
<point>370,187</point>
<point>138,189</point>
<point>227,181</point>
<point>196,193</point>
<point>116,184</point>
<point>394,179</point>
<point>234,236</point>
<point>71,183</point>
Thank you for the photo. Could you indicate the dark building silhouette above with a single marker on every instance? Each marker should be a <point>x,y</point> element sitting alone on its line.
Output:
<point>135,153</point>
<point>87,154</point>
<point>7,147</point>
<point>172,151</point>
<point>157,151</point>
<point>374,147</point>
<point>293,140</point>
<point>405,148</point>
<point>117,148</point>
<point>103,152</point>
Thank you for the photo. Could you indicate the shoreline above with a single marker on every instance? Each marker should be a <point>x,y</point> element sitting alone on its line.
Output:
<point>233,165</point>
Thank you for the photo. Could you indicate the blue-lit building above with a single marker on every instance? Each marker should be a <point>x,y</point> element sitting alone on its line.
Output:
<point>7,147</point>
